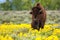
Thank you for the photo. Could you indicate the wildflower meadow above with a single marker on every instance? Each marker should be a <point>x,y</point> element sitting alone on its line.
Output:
<point>16,25</point>
<point>16,18</point>
<point>25,32</point>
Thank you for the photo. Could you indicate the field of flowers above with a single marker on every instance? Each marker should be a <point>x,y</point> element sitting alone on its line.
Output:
<point>25,32</point>
<point>15,25</point>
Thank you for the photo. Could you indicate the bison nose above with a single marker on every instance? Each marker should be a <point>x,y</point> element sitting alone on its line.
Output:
<point>35,19</point>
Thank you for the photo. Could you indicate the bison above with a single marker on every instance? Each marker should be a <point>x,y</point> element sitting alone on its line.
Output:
<point>38,16</point>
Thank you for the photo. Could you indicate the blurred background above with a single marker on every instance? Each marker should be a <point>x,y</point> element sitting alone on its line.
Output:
<point>17,11</point>
<point>28,4</point>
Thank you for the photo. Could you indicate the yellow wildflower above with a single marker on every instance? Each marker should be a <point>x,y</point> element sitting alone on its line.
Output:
<point>8,37</point>
<point>25,35</point>
<point>20,34</point>
<point>56,31</point>
<point>52,37</point>
<point>38,38</point>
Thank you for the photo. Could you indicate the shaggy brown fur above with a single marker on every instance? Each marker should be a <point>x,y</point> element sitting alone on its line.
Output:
<point>38,16</point>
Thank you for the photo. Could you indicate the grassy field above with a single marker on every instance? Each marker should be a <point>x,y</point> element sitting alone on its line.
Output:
<point>18,17</point>
<point>15,25</point>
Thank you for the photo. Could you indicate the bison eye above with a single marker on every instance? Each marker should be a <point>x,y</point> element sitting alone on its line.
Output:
<point>30,12</point>
<point>40,10</point>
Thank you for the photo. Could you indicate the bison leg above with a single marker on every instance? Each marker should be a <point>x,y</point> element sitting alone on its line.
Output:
<point>34,25</point>
<point>42,25</point>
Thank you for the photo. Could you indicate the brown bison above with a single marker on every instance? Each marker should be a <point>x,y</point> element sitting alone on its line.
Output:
<point>38,16</point>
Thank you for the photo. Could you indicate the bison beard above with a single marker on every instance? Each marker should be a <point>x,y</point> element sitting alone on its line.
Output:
<point>38,17</point>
